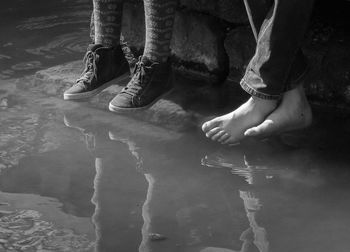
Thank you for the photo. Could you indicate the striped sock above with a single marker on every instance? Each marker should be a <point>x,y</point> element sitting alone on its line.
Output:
<point>107,21</point>
<point>92,28</point>
<point>159,17</point>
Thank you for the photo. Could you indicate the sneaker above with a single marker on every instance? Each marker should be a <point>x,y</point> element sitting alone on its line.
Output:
<point>150,81</point>
<point>102,64</point>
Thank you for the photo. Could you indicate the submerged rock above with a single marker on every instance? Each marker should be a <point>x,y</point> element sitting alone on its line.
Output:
<point>156,237</point>
<point>25,231</point>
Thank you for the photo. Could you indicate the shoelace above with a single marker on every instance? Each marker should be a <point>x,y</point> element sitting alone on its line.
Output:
<point>90,71</point>
<point>139,79</point>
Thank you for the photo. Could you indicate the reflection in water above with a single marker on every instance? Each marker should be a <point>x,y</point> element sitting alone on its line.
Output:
<point>132,187</point>
<point>255,237</point>
<point>248,198</point>
<point>152,200</point>
<point>148,190</point>
<point>175,197</point>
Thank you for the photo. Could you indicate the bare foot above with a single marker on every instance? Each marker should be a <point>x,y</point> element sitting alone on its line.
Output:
<point>293,113</point>
<point>230,128</point>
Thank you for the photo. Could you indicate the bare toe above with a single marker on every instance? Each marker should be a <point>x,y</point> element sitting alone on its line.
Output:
<point>263,129</point>
<point>210,125</point>
<point>212,132</point>
<point>235,123</point>
<point>218,135</point>
<point>224,137</point>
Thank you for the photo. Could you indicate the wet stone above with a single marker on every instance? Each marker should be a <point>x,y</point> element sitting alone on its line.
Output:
<point>156,237</point>
<point>175,111</point>
<point>26,231</point>
<point>232,11</point>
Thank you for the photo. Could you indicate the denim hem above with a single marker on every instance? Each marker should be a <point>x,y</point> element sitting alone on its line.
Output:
<point>246,87</point>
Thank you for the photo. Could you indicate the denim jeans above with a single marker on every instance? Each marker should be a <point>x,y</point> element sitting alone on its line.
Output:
<point>278,64</point>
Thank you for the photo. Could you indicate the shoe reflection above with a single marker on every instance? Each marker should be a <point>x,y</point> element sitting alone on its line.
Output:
<point>119,189</point>
<point>154,195</point>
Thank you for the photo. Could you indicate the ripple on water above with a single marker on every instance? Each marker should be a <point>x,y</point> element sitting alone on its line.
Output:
<point>27,65</point>
<point>74,42</point>
<point>2,56</point>
<point>6,74</point>
<point>45,22</point>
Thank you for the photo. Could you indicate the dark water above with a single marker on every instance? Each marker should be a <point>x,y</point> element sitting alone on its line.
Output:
<point>37,34</point>
<point>74,178</point>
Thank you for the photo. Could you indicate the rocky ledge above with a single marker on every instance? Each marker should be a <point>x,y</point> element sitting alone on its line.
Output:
<point>185,107</point>
<point>212,40</point>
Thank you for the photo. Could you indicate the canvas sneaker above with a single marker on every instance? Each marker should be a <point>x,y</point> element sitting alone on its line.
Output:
<point>102,65</point>
<point>150,81</point>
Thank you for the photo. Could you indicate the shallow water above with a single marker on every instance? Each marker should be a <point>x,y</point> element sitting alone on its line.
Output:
<point>41,34</point>
<point>75,178</point>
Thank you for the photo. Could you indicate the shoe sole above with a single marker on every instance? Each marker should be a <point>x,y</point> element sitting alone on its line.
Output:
<point>116,109</point>
<point>96,91</point>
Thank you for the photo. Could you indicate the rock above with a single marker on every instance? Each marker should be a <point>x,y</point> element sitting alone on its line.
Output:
<point>240,46</point>
<point>53,81</point>
<point>156,237</point>
<point>336,70</point>
<point>133,27</point>
<point>16,137</point>
<point>199,39</point>
<point>328,80</point>
<point>178,110</point>
<point>28,232</point>
<point>232,11</point>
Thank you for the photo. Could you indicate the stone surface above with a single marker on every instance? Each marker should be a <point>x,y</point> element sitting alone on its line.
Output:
<point>212,39</point>
<point>232,11</point>
<point>240,46</point>
<point>182,109</point>
<point>197,41</point>
<point>26,231</point>
<point>54,80</point>
<point>133,27</point>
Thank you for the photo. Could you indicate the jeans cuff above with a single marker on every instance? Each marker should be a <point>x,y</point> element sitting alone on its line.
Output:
<point>253,92</point>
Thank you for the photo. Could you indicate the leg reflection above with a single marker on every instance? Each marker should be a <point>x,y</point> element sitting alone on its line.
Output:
<point>119,193</point>
<point>119,189</point>
<point>255,237</point>
<point>252,206</point>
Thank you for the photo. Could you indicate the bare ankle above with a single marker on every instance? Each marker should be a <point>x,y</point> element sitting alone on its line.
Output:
<point>265,105</point>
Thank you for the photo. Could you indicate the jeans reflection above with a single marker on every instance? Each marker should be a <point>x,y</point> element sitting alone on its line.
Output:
<point>255,237</point>
<point>142,188</point>
<point>278,195</point>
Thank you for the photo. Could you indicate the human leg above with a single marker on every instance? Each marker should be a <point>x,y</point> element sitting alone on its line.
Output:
<point>104,59</point>
<point>152,74</point>
<point>277,66</point>
<point>294,111</point>
<point>107,21</point>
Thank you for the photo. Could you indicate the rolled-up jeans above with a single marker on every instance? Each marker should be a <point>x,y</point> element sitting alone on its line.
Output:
<point>278,64</point>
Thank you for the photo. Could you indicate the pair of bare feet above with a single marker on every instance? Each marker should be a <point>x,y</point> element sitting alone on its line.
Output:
<point>259,117</point>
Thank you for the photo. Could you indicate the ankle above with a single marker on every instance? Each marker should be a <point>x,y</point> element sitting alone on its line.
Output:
<point>155,58</point>
<point>264,105</point>
<point>295,96</point>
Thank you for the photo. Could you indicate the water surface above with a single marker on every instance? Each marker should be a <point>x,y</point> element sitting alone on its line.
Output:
<point>75,178</point>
